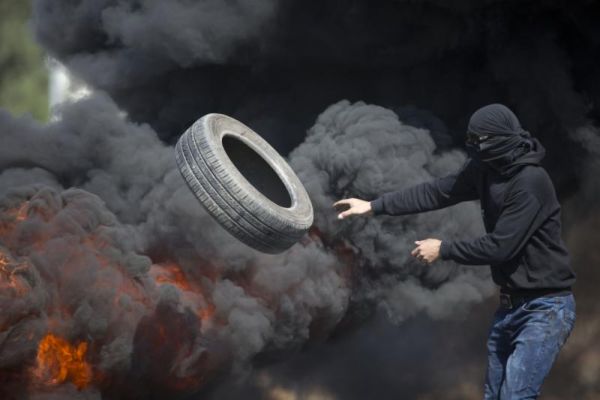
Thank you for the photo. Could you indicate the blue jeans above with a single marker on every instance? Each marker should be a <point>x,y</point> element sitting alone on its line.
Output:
<point>523,343</point>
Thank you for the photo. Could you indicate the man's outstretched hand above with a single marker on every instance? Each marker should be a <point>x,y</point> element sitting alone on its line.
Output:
<point>427,250</point>
<point>352,207</point>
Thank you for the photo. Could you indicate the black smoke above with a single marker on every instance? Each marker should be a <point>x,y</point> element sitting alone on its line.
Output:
<point>276,65</point>
<point>282,67</point>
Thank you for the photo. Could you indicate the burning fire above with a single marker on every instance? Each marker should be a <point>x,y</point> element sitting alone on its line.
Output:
<point>12,216</point>
<point>172,273</point>
<point>66,253</point>
<point>192,294</point>
<point>21,212</point>
<point>9,276</point>
<point>58,361</point>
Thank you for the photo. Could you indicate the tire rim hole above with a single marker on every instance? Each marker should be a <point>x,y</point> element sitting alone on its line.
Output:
<point>256,171</point>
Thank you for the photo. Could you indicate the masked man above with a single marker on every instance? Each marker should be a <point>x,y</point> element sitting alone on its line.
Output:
<point>522,245</point>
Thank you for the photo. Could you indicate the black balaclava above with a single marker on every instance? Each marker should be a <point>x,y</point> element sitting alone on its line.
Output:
<point>508,146</point>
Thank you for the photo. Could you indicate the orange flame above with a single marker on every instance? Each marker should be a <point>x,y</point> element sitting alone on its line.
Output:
<point>3,261</point>
<point>58,361</point>
<point>172,273</point>
<point>9,276</point>
<point>15,214</point>
<point>206,313</point>
<point>21,213</point>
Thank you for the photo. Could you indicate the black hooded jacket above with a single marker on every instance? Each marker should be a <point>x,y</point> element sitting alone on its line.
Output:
<point>521,215</point>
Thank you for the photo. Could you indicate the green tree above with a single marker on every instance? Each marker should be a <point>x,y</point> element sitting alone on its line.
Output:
<point>23,74</point>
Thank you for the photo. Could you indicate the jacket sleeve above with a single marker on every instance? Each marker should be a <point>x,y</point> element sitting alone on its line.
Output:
<point>439,193</point>
<point>520,216</point>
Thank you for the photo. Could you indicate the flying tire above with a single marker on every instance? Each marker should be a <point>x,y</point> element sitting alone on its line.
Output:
<point>243,183</point>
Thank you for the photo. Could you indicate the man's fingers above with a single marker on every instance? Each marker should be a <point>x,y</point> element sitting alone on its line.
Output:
<point>342,205</point>
<point>416,251</point>
<point>346,213</point>
<point>341,202</point>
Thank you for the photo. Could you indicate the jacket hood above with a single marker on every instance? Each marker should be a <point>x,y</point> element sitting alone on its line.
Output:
<point>508,146</point>
<point>495,119</point>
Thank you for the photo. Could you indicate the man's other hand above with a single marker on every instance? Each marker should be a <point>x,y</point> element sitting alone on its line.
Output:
<point>352,207</point>
<point>427,250</point>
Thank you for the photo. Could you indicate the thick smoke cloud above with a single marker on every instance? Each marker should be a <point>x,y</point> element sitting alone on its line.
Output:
<point>102,259</point>
<point>102,183</point>
<point>359,150</point>
<point>113,290</point>
<point>277,66</point>
<point>148,38</point>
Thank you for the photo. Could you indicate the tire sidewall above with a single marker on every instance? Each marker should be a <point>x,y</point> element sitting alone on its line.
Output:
<point>213,127</point>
